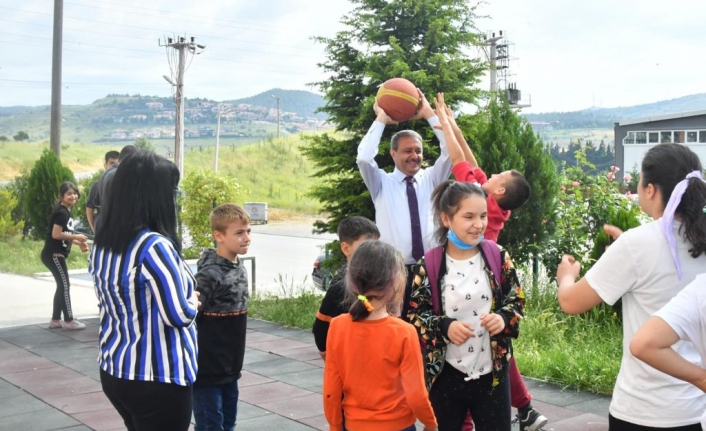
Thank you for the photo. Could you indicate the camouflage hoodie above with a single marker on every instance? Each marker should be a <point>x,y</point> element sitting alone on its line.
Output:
<point>222,318</point>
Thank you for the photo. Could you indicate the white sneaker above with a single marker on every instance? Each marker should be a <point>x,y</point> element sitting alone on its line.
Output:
<point>74,324</point>
<point>54,324</point>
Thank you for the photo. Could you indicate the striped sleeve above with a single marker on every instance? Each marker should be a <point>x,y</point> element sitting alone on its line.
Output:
<point>163,274</point>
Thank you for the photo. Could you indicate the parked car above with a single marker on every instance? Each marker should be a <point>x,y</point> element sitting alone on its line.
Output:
<point>320,275</point>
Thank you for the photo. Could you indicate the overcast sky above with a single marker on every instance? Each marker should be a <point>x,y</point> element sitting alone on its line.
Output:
<point>567,55</point>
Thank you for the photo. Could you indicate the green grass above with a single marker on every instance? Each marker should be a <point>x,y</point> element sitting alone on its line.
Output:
<point>581,352</point>
<point>18,256</point>
<point>271,170</point>
<point>296,307</point>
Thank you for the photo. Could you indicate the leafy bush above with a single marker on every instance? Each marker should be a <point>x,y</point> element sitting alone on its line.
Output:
<point>43,190</point>
<point>586,203</point>
<point>204,190</point>
<point>8,226</point>
<point>18,187</point>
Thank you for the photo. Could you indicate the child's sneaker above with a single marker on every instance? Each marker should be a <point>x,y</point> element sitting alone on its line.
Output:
<point>74,324</point>
<point>532,421</point>
<point>54,324</point>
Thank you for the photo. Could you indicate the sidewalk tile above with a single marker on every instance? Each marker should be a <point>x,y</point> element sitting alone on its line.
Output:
<point>278,366</point>
<point>316,362</point>
<point>250,379</point>
<point>302,379</point>
<point>271,422</point>
<point>584,422</point>
<point>7,389</point>
<point>258,337</point>
<point>308,353</point>
<point>23,403</point>
<point>24,362</point>
<point>47,419</point>
<point>101,420</point>
<point>249,411</point>
<point>80,403</point>
<point>277,346</point>
<point>267,392</point>
<point>598,406</point>
<point>316,422</point>
<point>254,356</point>
<point>296,408</point>
<point>553,412</point>
<point>555,395</point>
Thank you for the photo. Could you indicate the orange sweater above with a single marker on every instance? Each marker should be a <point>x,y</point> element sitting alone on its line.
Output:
<point>374,373</point>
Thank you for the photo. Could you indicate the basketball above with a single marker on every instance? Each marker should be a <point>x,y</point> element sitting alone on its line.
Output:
<point>399,99</point>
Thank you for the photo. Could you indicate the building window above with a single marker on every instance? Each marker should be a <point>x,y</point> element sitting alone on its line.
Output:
<point>692,136</point>
<point>630,138</point>
<point>702,136</point>
<point>654,137</point>
<point>666,137</point>
<point>640,137</point>
<point>679,137</point>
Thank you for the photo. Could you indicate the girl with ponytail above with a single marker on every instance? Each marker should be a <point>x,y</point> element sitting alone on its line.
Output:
<point>646,267</point>
<point>373,377</point>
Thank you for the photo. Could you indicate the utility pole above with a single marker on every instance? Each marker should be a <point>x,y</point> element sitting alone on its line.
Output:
<point>492,43</point>
<point>182,46</point>
<point>276,97</point>
<point>219,112</point>
<point>55,128</point>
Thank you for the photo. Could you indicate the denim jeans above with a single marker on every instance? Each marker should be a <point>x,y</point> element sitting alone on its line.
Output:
<point>215,407</point>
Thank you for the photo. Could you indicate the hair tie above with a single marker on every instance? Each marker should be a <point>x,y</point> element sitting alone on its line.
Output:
<point>668,215</point>
<point>366,303</point>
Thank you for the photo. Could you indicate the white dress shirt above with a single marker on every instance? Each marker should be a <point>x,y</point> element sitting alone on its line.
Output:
<point>389,192</point>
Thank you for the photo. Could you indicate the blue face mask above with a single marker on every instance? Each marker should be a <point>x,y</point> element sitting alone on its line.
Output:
<point>455,240</point>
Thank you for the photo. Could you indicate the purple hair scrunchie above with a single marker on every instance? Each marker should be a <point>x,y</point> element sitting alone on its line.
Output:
<point>668,215</point>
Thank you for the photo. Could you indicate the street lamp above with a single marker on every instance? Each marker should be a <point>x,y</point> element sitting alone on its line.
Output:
<point>277,114</point>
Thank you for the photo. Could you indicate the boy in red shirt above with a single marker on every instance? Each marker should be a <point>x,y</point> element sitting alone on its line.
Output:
<point>506,191</point>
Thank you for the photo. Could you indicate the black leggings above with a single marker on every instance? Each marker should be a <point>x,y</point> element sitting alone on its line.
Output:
<point>452,397</point>
<point>149,406</point>
<point>615,424</point>
<point>56,262</point>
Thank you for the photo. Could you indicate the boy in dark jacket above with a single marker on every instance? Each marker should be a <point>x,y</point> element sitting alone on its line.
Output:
<point>222,320</point>
<point>351,233</point>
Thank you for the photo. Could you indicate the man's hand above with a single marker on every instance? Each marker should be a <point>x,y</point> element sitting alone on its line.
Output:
<point>612,231</point>
<point>459,332</point>
<point>382,115</point>
<point>494,323</point>
<point>424,110</point>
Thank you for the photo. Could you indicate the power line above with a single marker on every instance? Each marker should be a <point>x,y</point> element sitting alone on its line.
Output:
<point>153,29</point>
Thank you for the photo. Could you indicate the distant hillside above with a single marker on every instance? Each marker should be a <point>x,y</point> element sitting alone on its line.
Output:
<point>606,117</point>
<point>119,117</point>
<point>303,103</point>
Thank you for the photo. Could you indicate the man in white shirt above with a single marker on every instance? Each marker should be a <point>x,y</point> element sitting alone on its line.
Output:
<point>397,194</point>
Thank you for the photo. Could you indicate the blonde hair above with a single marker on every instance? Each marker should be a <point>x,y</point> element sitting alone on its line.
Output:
<point>223,215</point>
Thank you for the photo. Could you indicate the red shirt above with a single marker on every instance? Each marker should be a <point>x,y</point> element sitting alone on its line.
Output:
<point>463,171</point>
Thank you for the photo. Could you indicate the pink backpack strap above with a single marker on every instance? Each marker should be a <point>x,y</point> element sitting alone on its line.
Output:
<point>492,254</point>
<point>432,263</point>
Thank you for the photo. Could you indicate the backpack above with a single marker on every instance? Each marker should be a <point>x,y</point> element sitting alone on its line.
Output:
<point>432,260</point>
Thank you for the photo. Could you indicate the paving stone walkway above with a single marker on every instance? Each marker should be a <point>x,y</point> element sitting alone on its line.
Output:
<point>49,381</point>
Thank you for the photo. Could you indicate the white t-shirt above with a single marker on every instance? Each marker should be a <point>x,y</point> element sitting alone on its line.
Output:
<point>686,315</point>
<point>466,295</point>
<point>639,268</point>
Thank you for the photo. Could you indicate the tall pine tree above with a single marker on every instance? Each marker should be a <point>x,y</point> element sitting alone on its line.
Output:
<point>425,41</point>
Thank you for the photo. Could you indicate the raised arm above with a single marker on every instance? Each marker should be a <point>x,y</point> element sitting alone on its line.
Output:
<point>368,149</point>
<point>445,118</point>
<point>465,148</point>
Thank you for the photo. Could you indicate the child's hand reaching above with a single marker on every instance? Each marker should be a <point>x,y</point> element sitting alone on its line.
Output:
<point>459,332</point>
<point>494,323</point>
